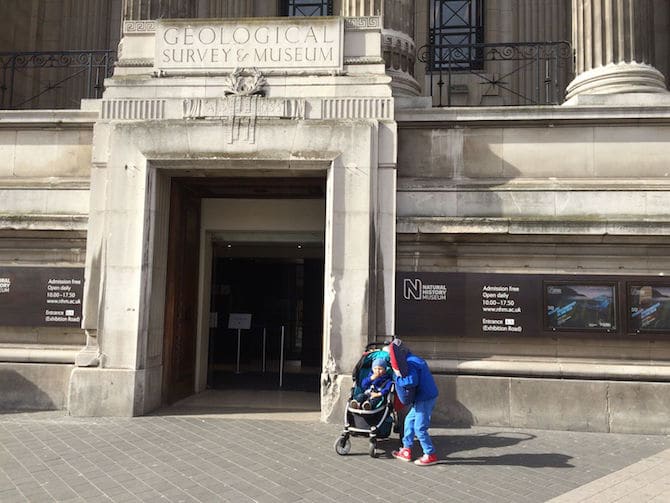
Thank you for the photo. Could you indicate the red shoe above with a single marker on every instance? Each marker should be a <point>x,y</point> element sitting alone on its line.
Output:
<point>404,454</point>
<point>427,460</point>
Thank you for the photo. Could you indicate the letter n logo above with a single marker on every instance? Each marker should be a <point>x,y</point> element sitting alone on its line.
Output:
<point>411,289</point>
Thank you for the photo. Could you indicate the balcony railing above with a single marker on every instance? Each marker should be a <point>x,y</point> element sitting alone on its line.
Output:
<point>52,79</point>
<point>502,74</point>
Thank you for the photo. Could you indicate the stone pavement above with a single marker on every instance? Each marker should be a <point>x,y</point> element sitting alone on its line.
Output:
<point>182,455</point>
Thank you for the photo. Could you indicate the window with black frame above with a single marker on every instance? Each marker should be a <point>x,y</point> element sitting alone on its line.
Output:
<point>455,25</point>
<point>307,8</point>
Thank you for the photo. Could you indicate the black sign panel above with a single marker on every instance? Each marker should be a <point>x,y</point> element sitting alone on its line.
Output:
<point>466,304</point>
<point>41,296</point>
<point>649,307</point>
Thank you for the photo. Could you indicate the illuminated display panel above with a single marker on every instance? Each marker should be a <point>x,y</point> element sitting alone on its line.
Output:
<point>577,306</point>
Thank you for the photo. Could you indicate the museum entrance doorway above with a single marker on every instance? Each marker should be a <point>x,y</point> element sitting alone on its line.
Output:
<point>267,311</point>
<point>244,285</point>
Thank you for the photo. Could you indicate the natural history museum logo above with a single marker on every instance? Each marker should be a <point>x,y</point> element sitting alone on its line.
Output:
<point>415,289</point>
<point>310,44</point>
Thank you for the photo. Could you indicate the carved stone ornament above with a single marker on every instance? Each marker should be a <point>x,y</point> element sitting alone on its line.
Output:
<point>363,23</point>
<point>245,83</point>
<point>240,112</point>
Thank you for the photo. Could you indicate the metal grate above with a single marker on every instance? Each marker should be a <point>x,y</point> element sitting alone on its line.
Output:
<point>307,8</point>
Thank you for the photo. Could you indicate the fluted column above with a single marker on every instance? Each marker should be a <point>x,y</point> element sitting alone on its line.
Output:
<point>225,8</point>
<point>613,43</point>
<point>539,21</point>
<point>359,8</point>
<point>155,9</point>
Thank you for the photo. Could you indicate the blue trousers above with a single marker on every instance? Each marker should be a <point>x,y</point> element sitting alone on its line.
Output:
<point>417,423</point>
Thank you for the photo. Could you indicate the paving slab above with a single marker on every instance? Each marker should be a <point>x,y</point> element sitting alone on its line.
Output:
<point>179,456</point>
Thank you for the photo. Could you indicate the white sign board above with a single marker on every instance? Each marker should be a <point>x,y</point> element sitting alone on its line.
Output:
<point>264,44</point>
<point>239,321</point>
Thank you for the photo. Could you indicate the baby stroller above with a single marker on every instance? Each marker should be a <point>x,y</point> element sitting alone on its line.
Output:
<point>376,423</point>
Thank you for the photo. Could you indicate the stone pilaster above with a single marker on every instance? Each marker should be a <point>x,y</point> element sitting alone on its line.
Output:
<point>155,9</point>
<point>613,43</point>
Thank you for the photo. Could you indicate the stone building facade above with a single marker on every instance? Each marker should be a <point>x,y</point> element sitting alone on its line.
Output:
<point>485,179</point>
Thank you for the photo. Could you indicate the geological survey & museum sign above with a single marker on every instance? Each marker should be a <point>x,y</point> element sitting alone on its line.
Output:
<point>266,44</point>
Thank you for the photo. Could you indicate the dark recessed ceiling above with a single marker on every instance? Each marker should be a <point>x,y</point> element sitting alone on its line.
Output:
<point>256,188</point>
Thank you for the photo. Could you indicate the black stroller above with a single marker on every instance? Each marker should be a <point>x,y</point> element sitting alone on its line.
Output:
<point>376,423</point>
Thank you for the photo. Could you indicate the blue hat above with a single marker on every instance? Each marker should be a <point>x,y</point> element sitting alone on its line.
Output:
<point>380,362</point>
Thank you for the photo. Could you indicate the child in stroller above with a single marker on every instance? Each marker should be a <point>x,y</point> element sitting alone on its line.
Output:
<point>368,415</point>
<point>376,385</point>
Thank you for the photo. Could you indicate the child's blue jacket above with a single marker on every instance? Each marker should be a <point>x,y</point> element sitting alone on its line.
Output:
<point>381,384</point>
<point>419,378</point>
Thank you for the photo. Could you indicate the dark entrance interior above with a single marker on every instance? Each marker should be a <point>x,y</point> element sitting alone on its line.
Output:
<point>279,281</point>
<point>281,287</point>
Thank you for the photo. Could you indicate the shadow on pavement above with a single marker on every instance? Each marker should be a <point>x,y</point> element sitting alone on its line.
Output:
<point>547,460</point>
<point>447,445</point>
<point>493,440</point>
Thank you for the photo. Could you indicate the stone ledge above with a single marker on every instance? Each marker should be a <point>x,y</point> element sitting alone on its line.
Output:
<point>473,225</point>
<point>16,119</point>
<point>551,184</point>
<point>554,369</point>
<point>60,183</point>
<point>44,222</point>
<point>512,116</point>
<point>38,353</point>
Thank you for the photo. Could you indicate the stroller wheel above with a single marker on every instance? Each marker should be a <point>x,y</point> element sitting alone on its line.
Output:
<point>343,445</point>
<point>373,448</point>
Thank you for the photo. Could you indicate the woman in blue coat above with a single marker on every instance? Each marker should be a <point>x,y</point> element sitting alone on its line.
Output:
<point>415,388</point>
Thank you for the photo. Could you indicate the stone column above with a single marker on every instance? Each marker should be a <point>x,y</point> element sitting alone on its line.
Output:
<point>155,9</point>
<point>613,43</point>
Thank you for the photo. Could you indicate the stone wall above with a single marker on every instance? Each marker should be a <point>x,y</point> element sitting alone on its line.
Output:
<point>553,190</point>
<point>44,194</point>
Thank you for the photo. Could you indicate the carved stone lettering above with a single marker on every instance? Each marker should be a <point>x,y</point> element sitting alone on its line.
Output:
<point>301,44</point>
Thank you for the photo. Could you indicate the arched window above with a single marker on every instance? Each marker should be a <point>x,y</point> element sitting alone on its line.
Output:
<point>454,26</point>
<point>307,8</point>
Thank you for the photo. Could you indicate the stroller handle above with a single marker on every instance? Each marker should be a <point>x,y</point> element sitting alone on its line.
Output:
<point>375,345</point>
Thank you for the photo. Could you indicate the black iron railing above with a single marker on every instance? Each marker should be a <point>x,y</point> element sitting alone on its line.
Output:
<point>506,74</point>
<point>307,7</point>
<point>52,79</point>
